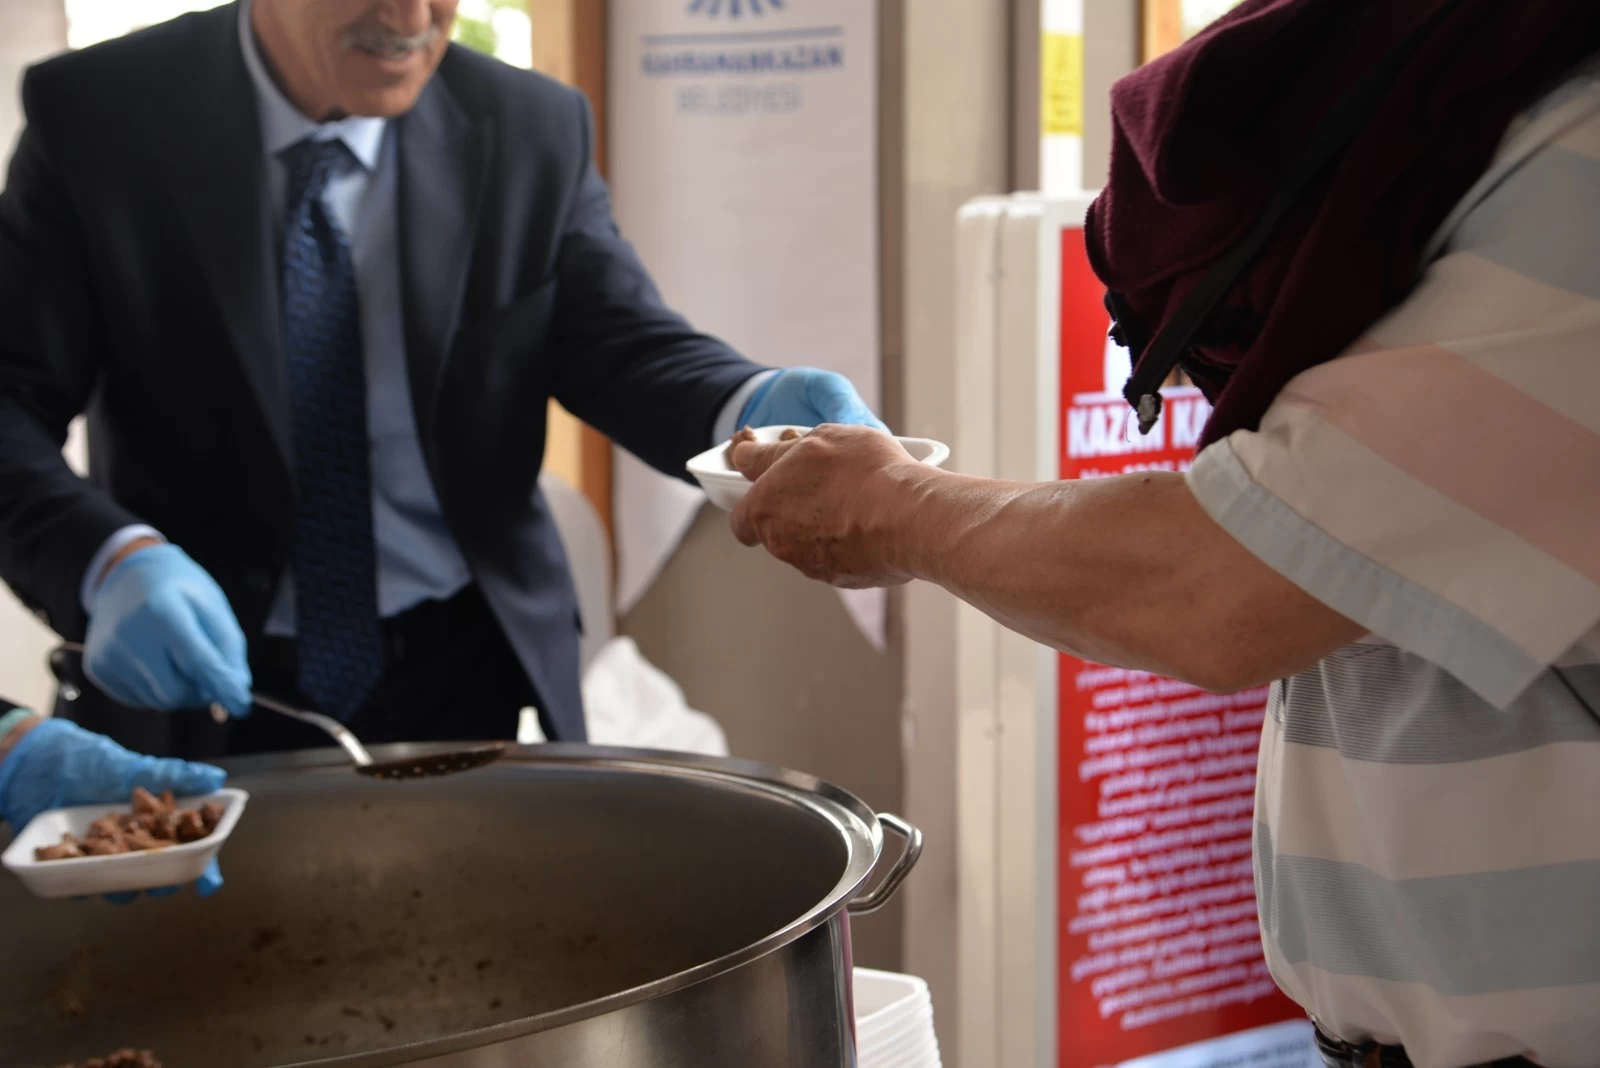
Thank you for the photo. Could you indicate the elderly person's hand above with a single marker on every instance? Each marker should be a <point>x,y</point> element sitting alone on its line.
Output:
<point>829,503</point>
<point>50,763</point>
<point>1091,567</point>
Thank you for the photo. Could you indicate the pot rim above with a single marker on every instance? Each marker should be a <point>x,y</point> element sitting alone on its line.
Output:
<point>856,824</point>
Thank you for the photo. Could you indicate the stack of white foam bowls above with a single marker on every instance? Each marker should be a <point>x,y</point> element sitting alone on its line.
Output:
<point>894,1021</point>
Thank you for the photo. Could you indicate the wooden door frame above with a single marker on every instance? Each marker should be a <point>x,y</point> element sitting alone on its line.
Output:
<point>1161,27</point>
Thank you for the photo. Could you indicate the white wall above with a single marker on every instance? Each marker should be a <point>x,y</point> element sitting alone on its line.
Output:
<point>1111,49</point>
<point>29,31</point>
<point>969,118</point>
<point>955,145</point>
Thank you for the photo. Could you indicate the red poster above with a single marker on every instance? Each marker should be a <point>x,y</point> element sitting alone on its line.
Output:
<point>1159,945</point>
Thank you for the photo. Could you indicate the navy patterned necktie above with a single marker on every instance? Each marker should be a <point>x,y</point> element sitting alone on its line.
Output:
<point>339,643</point>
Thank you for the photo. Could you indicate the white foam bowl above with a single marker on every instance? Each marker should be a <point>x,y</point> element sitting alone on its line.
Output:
<point>894,1021</point>
<point>147,869</point>
<point>725,486</point>
<point>912,1037</point>
<point>879,992</point>
<point>926,1057</point>
<point>883,1026</point>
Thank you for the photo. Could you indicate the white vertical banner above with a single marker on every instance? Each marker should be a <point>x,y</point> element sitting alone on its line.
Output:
<point>744,168</point>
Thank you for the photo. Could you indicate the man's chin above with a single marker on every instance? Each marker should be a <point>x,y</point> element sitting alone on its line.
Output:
<point>385,102</point>
<point>381,87</point>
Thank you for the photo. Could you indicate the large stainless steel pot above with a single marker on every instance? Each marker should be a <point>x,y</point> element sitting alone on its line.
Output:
<point>567,907</point>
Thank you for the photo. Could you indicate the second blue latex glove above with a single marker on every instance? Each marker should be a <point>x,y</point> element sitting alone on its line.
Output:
<point>162,635</point>
<point>59,764</point>
<point>805,396</point>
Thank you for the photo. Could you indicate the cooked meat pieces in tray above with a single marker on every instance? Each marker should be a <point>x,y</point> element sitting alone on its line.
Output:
<point>153,823</point>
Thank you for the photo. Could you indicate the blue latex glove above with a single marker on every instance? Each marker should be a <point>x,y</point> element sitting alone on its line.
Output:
<point>162,635</point>
<point>59,764</point>
<point>805,396</point>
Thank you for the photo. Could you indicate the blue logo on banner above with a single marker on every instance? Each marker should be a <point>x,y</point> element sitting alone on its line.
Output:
<point>739,50</point>
<point>734,9</point>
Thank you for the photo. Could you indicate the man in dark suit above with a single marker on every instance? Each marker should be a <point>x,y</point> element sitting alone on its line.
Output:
<point>314,273</point>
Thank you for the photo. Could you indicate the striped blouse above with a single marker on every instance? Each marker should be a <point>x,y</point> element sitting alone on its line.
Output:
<point>1427,816</point>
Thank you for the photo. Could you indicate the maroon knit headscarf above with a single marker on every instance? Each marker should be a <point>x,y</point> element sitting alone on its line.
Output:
<point>1203,136</point>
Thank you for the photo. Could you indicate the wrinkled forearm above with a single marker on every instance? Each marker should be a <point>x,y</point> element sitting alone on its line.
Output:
<point>1128,571</point>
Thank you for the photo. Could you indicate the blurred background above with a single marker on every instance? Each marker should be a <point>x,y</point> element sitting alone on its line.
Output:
<point>807,212</point>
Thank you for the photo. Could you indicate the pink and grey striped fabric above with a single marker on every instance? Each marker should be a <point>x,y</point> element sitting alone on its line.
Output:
<point>1428,802</point>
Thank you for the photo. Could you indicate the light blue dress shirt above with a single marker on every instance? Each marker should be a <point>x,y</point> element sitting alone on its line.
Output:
<point>418,560</point>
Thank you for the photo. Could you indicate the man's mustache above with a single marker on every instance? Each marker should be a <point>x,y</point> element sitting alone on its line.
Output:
<point>385,43</point>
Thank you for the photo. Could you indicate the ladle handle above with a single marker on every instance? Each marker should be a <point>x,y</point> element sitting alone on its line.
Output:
<point>327,724</point>
<point>879,896</point>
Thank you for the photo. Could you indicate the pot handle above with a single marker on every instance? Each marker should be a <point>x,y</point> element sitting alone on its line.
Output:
<point>879,896</point>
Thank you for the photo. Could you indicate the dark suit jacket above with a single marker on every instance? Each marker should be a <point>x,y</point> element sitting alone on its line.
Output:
<point>138,281</point>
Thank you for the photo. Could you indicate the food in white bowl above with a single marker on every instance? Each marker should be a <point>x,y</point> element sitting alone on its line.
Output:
<point>151,822</point>
<point>112,849</point>
<point>725,485</point>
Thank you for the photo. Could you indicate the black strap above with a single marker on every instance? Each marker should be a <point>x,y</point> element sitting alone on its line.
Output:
<point>1338,129</point>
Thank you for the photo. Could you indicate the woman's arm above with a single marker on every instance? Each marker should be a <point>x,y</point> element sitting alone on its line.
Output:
<point>1128,571</point>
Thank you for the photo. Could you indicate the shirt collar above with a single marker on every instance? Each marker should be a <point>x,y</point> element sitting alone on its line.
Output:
<point>282,124</point>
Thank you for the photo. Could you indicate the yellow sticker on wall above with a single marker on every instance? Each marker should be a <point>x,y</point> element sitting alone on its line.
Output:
<point>1061,74</point>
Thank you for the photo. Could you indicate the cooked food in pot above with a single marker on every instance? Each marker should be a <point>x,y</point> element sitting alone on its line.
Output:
<point>123,1058</point>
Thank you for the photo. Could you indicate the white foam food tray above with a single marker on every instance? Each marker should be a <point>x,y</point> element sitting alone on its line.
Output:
<point>147,869</point>
<point>725,486</point>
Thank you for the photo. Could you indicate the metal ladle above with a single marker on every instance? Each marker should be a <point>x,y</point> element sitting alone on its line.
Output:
<point>420,767</point>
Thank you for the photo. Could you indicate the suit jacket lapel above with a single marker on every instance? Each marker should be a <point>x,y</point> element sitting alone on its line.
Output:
<point>444,161</point>
<point>214,159</point>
